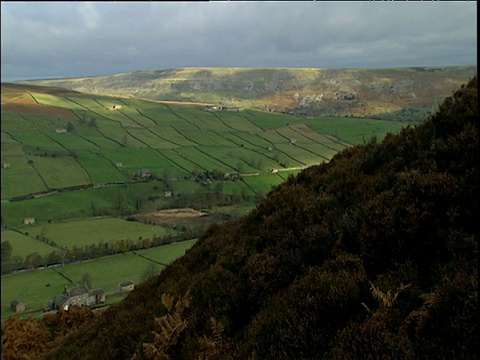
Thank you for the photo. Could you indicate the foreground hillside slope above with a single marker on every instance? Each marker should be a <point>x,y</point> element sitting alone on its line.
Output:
<point>407,94</point>
<point>372,255</point>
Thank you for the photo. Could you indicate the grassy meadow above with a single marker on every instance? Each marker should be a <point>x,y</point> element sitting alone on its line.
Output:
<point>95,230</point>
<point>72,160</point>
<point>23,245</point>
<point>36,288</point>
<point>159,137</point>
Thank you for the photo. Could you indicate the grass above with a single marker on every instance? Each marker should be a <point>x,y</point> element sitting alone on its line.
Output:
<point>37,141</point>
<point>53,171</point>
<point>152,139</point>
<point>135,160</point>
<point>31,287</point>
<point>263,183</point>
<point>168,253</point>
<point>107,272</point>
<point>99,169</point>
<point>170,140</point>
<point>354,131</point>
<point>23,245</point>
<point>73,142</point>
<point>20,179</point>
<point>186,187</point>
<point>164,138</point>
<point>54,100</point>
<point>95,230</point>
<point>205,161</point>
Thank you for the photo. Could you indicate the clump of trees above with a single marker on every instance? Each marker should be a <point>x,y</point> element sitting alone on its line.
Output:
<point>87,252</point>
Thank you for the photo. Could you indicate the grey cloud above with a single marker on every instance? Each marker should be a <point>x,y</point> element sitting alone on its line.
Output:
<point>81,39</point>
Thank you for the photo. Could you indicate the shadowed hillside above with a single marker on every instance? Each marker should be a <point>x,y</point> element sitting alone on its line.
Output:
<point>406,94</point>
<point>372,255</point>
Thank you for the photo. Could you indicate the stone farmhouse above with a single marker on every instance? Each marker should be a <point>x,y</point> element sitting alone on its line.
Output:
<point>126,286</point>
<point>29,221</point>
<point>17,306</point>
<point>61,131</point>
<point>79,295</point>
<point>143,174</point>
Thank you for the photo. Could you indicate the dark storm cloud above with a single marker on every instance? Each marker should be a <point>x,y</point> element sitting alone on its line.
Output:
<point>81,39</point>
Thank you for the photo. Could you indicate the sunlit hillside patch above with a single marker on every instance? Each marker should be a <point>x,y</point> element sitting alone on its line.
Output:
<point>19,171</point>
<point>53,170</point>
<point>26,103</point>
<point>23,244</point>
<point>94,231</point>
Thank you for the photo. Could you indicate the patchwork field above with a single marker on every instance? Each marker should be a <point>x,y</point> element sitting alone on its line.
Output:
<point>99,139</point>
<point>23,245</point>
<point>36,288</point>
<point>80,164</point>
<point>93,231</point>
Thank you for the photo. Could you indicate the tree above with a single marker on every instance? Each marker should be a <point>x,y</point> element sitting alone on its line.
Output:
<point>244,193</point>
<point>33,260</point>
<point>145,243</point>
<point>6,250</point>
<point>240,167</point>
<point>120,205</point>
<point>92,123</point>
<point>96,208</point>
<point>86,279</point>
<point>121,246</point>
<point>218,188</point>
<point>70,127</point>
<point>151,270</point>
<point>140,199</point>
<point>54,258</point>
<point>43,234</point>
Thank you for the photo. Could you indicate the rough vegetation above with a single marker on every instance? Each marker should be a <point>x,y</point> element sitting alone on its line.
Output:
<point>406,94</point>
<point>373,255</point>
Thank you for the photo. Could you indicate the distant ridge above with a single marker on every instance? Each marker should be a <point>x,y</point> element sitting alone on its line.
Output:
<point>407,94</point>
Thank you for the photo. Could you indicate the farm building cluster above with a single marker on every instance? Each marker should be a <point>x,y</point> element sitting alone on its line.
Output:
<point>81,295</point>
<point>224,108</point>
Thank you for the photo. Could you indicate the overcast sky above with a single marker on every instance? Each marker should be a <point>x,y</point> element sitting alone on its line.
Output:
<point>52,39</point>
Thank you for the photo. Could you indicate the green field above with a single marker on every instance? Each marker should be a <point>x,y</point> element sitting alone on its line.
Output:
<point>263,184</point>
<point>90,155</point>
<point>31,287</point>
<point>23,245</point>
<point>150,135</point>
<point>104,147</point>
<point>61,206</point>
<point>168,253</point>
<point>95,230</point>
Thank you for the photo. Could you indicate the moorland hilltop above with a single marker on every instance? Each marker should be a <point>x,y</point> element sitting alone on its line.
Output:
<point>405,94</point>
